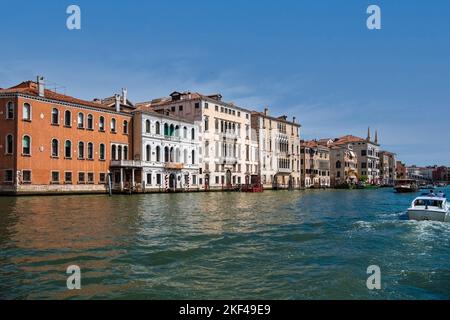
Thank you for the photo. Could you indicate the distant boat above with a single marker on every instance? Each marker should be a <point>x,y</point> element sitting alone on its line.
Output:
<point>429,209</point>
<point>406,186</point>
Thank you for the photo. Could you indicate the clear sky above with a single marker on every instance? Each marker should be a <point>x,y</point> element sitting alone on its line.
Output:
<point>314,59</point>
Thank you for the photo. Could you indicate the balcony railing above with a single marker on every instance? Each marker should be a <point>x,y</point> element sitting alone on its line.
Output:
<point>229,135</point>
<point>284,170</point>
<point>174,165</point>
<point>126,163</point>
<point>228,160</point>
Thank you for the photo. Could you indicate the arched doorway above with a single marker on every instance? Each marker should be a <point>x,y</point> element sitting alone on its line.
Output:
<point>228,178</point>
<point>207,181</point>
<point>172,182</point>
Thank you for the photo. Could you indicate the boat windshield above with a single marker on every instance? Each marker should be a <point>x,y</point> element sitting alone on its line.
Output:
<point>428,203</point>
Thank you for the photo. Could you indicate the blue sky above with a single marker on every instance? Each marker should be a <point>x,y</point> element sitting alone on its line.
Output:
<point>315,60</point>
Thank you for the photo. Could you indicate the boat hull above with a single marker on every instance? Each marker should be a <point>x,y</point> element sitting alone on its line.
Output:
<point>428,215</point>
<point>405,189</point>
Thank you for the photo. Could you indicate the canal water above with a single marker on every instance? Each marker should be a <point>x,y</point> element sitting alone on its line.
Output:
<point>274,245</point>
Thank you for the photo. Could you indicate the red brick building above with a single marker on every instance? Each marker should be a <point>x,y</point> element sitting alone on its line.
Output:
<point>53,143</point>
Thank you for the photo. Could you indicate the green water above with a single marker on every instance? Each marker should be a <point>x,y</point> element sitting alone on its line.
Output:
<point>275,245</point>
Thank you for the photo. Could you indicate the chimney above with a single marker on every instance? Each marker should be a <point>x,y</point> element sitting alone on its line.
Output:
<point>293,119</point>
<point>368,134</point>
<point>41,86</point>
<point>266,111</point>
<point>117,103</point>
<point>124,95</point>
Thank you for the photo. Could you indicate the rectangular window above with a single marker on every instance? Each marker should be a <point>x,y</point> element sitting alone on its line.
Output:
<point>90,177</point>
<point>26,176</point>
<point>197,105</point>
<point>363,153</point>
<point>194,180</point>
<point>81,177</point>
<point>8,176</point>
<point>217,108</point>
<point>217,179</point>
<point>102,178</point>
<point>206,105</point>
<point>55,177</point>
<point>172,109</point>
<point>158,179</point>
<point>180,108</point>
<point>149,178</point>
<point>68,178</point>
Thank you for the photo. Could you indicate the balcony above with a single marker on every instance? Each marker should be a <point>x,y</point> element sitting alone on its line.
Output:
<point>174,165</point>
<point>126,164</point>
<point>228,160</point>
<point>229,135</point>
<point>284,170</point>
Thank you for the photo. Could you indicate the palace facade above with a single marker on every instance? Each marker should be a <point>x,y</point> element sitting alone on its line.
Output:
<point>56,143</point>
<point>279,150</point>
<point>228,149</point>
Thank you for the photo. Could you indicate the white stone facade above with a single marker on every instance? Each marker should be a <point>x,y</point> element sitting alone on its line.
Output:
<point>168,150</point>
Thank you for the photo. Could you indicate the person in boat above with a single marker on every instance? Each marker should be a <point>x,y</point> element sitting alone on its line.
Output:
<point>441,194</point>
<point>432,194</point>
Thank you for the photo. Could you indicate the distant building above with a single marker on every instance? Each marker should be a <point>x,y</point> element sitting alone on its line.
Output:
<point>388,165</point>
<point>400,171</point>
<point>315,165</point>
<point>343,163</point>
<point>368,153</point>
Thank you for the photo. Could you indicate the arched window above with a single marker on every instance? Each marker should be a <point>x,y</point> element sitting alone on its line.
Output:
<point>80,150</point>
<point>102,151</point>
<point>158,154</point>
<point>9,144</point>
<point>67,118</point>
<point>113,152</point>
<point>101,124</point>
<point>90,151</point>
<point>158,129</point>
<point>185,130</point>
<point>166,129</point>
<point>119,153</point>
<point>177,131</point>
<point>192,134</point>
<point>113,125</point>
<point>10,110</point>
<point>26,145</point>
<point>26,112</point>
<point>166,154</point>
<point>177,156</point>
<point>147,126</point>
<point>55,148</point>
<point>125,127</point>
<point>171,130</point>
<point>185,156</point>
<point>172,155</point>
<point>55,116</point>
<point>80,121</point>
<point>68,149</point>
<point>193,156</point>
<point>125,153</point>
<point>147,153</point>
<point>90,122</point>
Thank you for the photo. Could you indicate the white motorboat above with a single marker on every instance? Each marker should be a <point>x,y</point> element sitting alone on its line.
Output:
<point>429,208</point>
